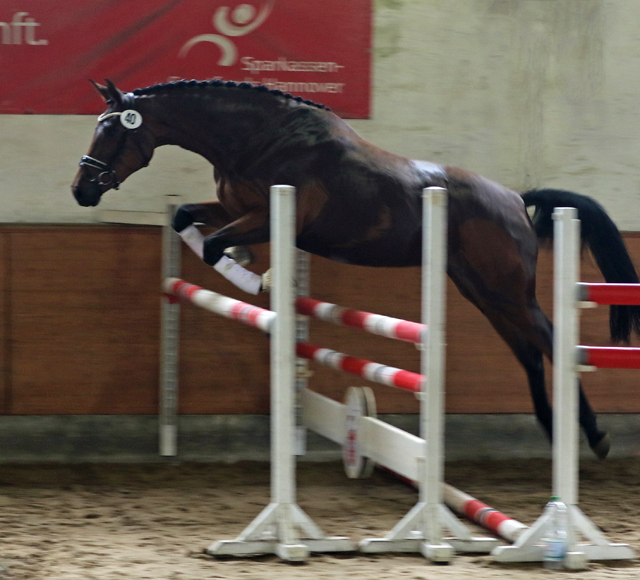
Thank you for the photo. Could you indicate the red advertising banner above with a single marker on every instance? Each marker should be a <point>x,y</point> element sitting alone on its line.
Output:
<point>50,48</point>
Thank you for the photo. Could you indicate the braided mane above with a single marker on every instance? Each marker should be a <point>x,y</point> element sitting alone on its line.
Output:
<point>163,87</point>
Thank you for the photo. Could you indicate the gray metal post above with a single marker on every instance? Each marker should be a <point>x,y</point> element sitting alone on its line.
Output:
<point>169,338</point>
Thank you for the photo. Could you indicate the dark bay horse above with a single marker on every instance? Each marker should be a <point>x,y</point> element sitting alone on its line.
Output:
<point>355,203</point>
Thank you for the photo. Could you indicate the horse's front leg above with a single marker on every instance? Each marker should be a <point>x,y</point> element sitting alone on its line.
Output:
<point>251,228</point>
<point>210,213</point>
<point>214,214</point>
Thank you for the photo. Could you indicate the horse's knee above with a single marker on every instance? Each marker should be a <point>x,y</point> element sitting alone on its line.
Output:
<point>182,218</point>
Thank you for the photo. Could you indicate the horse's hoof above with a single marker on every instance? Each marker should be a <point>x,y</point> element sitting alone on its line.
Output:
<point>241,255</point>
<point>601,449</point>
<point>266,281</point>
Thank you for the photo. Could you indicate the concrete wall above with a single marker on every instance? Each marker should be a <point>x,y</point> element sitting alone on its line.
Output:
<point>529,93</point>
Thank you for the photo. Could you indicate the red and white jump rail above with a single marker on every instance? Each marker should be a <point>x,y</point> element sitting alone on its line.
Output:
<point>373,323</point>
<point>482,514</point>
<point>608,293</point>
<point>375,372</point>
<point>263,319</point>
<point>244,312</point>
<point>569,359</point>
<point>610,357</point>
<point>473,509</point>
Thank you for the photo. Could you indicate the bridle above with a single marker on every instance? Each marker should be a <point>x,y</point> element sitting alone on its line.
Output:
<point>130,120</point>
<point>107,175</point>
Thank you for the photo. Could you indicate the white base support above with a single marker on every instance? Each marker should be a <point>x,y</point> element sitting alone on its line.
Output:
<point>398,451</point>
<point>274,531</point>
<point>409,536</point>
<point>438,553</point>
<point>529,547</point>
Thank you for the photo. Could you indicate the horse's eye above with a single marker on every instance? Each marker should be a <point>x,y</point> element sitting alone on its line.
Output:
<point>109,129</point>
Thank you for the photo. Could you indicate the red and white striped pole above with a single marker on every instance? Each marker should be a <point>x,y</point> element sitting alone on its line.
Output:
<point>482,514</point>
<point>609,357</point>
<point>609,293</point>
<point>375,372</point>
<point>223,305</point>
<point>264,320</point>
<point>373,323</point>
<point>474,510</point>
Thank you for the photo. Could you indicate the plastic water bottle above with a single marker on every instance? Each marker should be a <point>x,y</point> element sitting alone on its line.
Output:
<point>555,539</point>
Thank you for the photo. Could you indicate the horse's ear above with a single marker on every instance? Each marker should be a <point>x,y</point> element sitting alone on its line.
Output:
<point>110,93</point>
<point>101,89</point>
<point>114,93</point>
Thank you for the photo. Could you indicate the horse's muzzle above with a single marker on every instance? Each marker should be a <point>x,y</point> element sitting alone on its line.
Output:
<point>87,195</point>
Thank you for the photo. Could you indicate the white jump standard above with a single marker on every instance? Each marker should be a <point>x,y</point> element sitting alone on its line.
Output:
<point>417,458</point>
<point>282,528</point>
<point>422,528</point>
<point>567,298</point>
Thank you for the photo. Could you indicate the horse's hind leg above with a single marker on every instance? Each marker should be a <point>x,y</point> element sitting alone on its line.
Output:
<point>508,300</point>
<point>530,353</point>
<point>492,259</point>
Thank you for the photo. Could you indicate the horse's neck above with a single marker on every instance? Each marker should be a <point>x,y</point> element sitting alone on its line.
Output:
<point>207,126</point>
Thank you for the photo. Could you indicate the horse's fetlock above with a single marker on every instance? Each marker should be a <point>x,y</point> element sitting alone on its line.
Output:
<point>213,250</point>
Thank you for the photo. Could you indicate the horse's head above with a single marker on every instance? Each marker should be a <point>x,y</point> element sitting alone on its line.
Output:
<point>122,144</point>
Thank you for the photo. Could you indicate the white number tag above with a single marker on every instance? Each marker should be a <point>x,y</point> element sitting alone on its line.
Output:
<point>131,119</point>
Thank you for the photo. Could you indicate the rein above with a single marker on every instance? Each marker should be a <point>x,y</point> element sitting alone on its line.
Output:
<point>130,120</point>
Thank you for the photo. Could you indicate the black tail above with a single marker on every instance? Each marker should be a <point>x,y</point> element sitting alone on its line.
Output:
<point>601,235</point>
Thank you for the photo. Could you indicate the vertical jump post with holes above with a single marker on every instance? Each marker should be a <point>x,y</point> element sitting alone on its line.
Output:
<point>169,339</point>
<point>569,359</point>
<point>282,528</point>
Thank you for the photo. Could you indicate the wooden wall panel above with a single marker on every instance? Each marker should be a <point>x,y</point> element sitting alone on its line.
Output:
<point>224,365</point>
<point>84,320</point>
<point>79,332</point>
